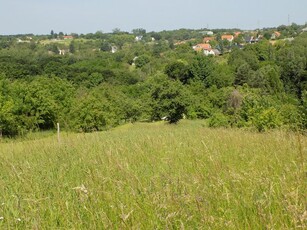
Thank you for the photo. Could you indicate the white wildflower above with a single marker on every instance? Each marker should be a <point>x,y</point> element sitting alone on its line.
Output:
<point>1,218</point>
<point>81,188</point>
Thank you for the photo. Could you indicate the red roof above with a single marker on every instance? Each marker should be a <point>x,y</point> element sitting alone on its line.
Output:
<point>208,39</point>
<point>277,34</point>
<point>68,37</point>
<point>237,34</point>
<point>202,46</point>
<point>227,37</point>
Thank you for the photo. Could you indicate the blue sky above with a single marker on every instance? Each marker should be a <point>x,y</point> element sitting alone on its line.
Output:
<point>85,16</point>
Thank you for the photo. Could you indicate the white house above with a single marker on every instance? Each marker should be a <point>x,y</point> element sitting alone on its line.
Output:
<point>138,38</point>
<point>207,32</point>
<point>113,49</point>
<point>209,52</point>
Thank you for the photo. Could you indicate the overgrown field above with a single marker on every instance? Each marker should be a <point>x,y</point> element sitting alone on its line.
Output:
<point>155,176</point>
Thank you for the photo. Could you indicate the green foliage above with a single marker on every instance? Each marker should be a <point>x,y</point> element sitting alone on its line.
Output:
<point>105,46</point>
<point>168,99</point>
<point>40,87</point>
<point>258,112</point>
<point>142,61</point>
<point>8,122</point>
<point>72,48</point>
<point>303,109</point>
<point>178,71</point>
<point>218,119</point>
<point>202,67</point>
<point>222,76</point>
<point>102,108</point>
<point>267,78</point>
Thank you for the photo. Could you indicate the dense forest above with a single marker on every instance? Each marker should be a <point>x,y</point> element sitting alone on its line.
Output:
<point>97,81</point>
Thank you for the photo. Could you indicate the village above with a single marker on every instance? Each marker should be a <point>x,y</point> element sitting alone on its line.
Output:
<point>208,42</point>
<point>216,45</point>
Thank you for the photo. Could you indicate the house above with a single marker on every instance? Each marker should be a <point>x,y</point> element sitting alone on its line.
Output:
<point>208,39</point>
<point>227,37</point>
<point>22,41</point>
<point>113,49</point>
<point>249,39</point>
<point>68,37</point>
<point>202,46</point>
<point>289,39</point>
<point>208,52</point>
<point>304,30</point>
<point>275,35</point>
<point>138,38</point>
<point>206,32</point>
<point>237,34</point>
<point>216,52</point>
<point>206,49</point>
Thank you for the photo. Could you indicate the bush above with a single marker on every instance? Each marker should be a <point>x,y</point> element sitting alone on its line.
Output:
<point>218,120</point>
<point>266,119</point>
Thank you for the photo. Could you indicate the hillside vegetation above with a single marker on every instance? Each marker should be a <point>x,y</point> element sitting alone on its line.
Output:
<point>155,176</point>
<point>95,82</point>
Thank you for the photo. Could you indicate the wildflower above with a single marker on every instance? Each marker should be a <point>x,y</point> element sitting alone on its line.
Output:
<point>81,188</point>
<point>82,192</point>
<point>1,218</point>
<point>18,219</point>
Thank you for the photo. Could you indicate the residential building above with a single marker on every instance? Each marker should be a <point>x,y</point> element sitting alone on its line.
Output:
<point>68,37</point>
<point>208,39</point>
<point>227,37</point>
<point>202,46</point>
<point>275,35</point>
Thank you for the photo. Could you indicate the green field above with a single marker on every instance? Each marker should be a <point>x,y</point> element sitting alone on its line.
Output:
<point>155,176</point>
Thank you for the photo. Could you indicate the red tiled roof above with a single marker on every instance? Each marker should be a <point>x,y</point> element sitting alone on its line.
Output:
<point>237,34</point>
<point>202,46</point>
<point>277,34</point>
<point>68,36</point>
<point>227,37</point>
<point>207,39</point>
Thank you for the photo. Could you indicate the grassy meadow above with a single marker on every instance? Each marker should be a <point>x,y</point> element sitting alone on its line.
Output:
<point>155,176</point>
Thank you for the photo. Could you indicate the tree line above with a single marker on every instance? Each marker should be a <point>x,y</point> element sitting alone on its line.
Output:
<point>260,86</point>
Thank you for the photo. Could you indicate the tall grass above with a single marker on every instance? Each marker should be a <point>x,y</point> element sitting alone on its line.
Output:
<point>155,176</point>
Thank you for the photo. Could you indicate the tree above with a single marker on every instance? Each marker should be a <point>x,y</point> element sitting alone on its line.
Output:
<point>116,31</point>
<point>178,71</point>
<point>169,99</point>
<point>156,36</point>
<point>105,46</point>
<point>202,67</point>
<point>72,47</point>
<point>267,78</point>
<point>243,73</point>
<point>141,61</point>
<point>292,61</point>
<point>139,32</point>
<point>8,121</point>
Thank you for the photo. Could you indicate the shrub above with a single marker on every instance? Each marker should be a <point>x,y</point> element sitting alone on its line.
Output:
<point>218,120</point>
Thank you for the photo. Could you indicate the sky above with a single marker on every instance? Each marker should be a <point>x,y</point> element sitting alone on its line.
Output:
<point>90,16</point>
